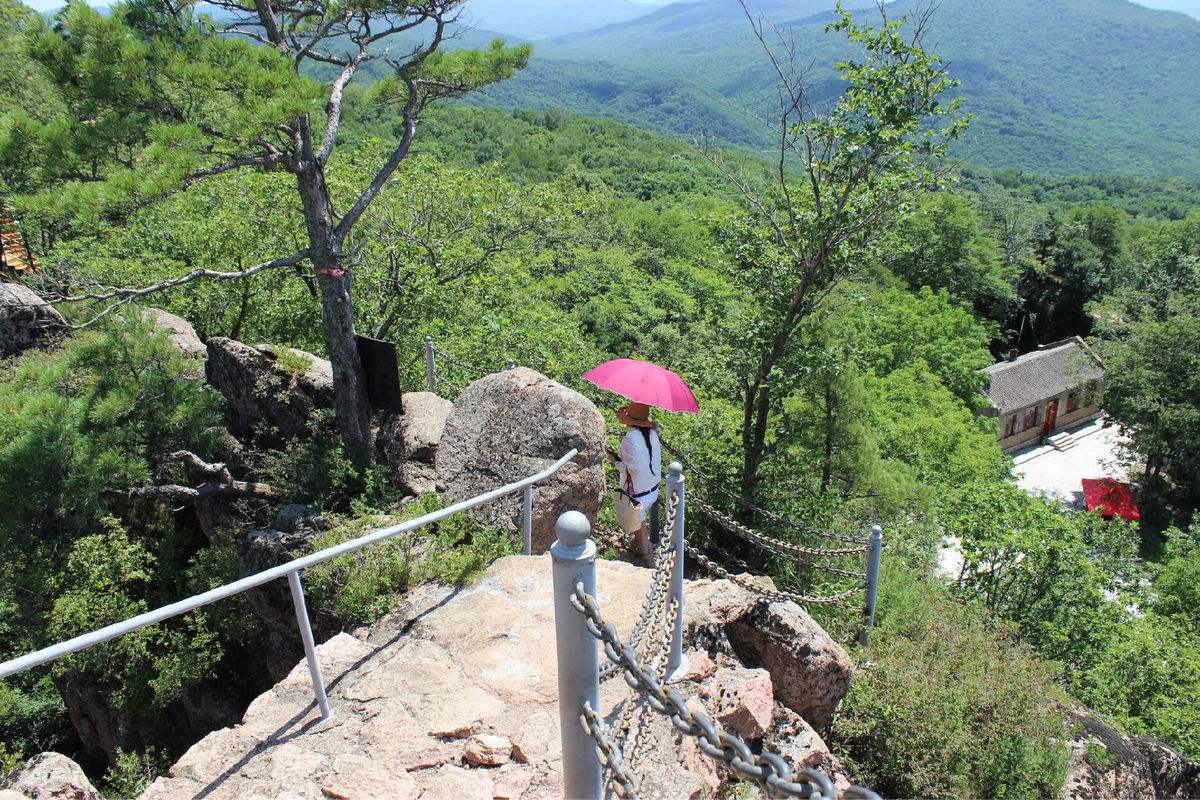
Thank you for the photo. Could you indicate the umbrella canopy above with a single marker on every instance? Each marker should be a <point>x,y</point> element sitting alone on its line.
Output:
<point>643,382</point>
<point>1111,498</point>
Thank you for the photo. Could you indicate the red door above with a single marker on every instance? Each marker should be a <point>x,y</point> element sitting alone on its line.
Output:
<point>1051,418</point>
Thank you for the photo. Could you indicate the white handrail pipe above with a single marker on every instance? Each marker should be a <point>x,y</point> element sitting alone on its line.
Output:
<point>13,666</point>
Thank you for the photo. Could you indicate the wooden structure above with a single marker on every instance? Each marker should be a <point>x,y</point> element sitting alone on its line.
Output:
<point>15,256</point>
<point>1034,395</point>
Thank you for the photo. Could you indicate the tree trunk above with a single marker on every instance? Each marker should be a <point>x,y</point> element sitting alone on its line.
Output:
<point>827,457</point>
<point>337,313</point>
<point>756,409</point>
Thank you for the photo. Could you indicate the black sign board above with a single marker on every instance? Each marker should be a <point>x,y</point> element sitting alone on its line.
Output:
<point>383,377</point>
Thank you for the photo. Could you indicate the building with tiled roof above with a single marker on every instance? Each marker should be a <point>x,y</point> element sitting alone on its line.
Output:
<point>1035,395</point>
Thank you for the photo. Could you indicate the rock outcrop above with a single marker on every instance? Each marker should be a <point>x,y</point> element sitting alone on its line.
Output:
<point>455,696</point>
<point>811,671</point>
<point>1107,763</point>
<point>271,392</point>
<point>512,424</point>
<point>295,527</point>
<point>179,331</point>
<point>410,441</point>
<point>50,776</point>
<point>26,319</point>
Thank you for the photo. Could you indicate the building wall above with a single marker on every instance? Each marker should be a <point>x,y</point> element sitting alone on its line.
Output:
<point>1025,438</point>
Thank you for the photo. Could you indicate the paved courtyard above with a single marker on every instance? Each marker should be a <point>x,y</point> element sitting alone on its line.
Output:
<point>1090,452</point>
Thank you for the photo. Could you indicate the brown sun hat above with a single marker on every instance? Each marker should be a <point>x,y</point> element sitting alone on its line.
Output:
<point>636,415</point>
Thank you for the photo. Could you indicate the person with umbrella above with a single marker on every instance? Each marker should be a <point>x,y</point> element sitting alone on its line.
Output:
<point>640,459</point>
<point>640,464</point>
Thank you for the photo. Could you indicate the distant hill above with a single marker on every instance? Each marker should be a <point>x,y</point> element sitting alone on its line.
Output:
<point>538,19</point>
<point>1189,7</point>
<point>1057,86</point>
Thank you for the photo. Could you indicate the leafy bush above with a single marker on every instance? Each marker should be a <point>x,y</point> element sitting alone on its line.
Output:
<point>947,705</point>
<point>361,587</point>
<point>78,427</point>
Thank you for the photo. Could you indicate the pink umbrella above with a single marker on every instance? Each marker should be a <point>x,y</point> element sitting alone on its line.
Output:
<point>643,382</point>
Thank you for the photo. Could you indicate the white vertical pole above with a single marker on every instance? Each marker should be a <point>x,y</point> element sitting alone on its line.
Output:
<point>310,649</point>
<point>574,559</point>
<point>527,520</point>
<point>430,366</point>
<point>873,557</point>
<point>676,663</point>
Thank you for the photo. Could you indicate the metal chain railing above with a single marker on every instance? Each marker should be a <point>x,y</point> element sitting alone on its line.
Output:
<point>463,365</point>
<point>768,770</point>
<point>656,599</point>
<point>718,485</point>
<point>768,594</point>
<point>787,548</point>
<point>608,754</point>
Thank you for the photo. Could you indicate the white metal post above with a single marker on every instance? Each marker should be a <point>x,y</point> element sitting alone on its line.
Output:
<point>527,520</point>
<point>310,649</point>
<point>872,590</point>
<point>430,366</point>
<point>574,558</point>
<point>676,663</point>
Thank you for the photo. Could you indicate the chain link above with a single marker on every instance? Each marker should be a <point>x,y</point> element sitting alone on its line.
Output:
<point>768,770</point>
<point>656,600</point>
<point>718,486</point>
<point>721,572</point>
<point>461,364</point>
<point>607,754</point>
<point>783,548</point>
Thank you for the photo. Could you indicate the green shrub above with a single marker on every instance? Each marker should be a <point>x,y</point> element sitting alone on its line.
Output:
<point>946,705</point>
<point>361,587</point>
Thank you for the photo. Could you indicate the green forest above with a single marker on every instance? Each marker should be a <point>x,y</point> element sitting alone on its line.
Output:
<point>831,310</point>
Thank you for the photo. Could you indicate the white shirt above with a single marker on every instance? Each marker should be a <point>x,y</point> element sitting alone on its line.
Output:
<point>643,467</point>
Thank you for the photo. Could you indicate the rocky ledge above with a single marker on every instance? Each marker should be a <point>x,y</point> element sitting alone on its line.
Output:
<point>455,696</point>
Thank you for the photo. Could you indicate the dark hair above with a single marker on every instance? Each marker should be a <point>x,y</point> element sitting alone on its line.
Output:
<point>649,446</point>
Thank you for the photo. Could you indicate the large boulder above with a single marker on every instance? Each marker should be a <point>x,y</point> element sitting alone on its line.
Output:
<point>810,671</point>
<point>25,319</point>
<point>509,425</point>
<point>410,441</point>
<point>51,776</point>
<point>271,392</point>
<point>179,331</point>
<point>1107,763</point>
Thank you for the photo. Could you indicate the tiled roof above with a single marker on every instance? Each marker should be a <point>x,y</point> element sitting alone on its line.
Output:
<point>1040,375</point>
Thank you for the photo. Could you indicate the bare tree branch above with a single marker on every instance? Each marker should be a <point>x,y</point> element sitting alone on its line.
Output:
<point>122,296</point>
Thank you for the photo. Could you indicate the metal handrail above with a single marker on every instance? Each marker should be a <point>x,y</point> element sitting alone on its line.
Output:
<point>108,632</point>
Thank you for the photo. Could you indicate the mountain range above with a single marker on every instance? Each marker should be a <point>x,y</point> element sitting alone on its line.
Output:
<point>1055,86</point>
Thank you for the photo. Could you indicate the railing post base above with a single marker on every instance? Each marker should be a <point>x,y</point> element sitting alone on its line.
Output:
<point>310,648</point>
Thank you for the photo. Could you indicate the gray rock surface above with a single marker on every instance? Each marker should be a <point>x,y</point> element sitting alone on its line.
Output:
<point>1107,763</point>
<point>179,331</point>
<point>272,602</point>
<point>26,319</point>
<point>410,441</point>
<point>454,696</point>
<point>51,776</point>
<point>265,400</point>
<point>299,518</point>
<point>512,424</point>
<point>811,672</point>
